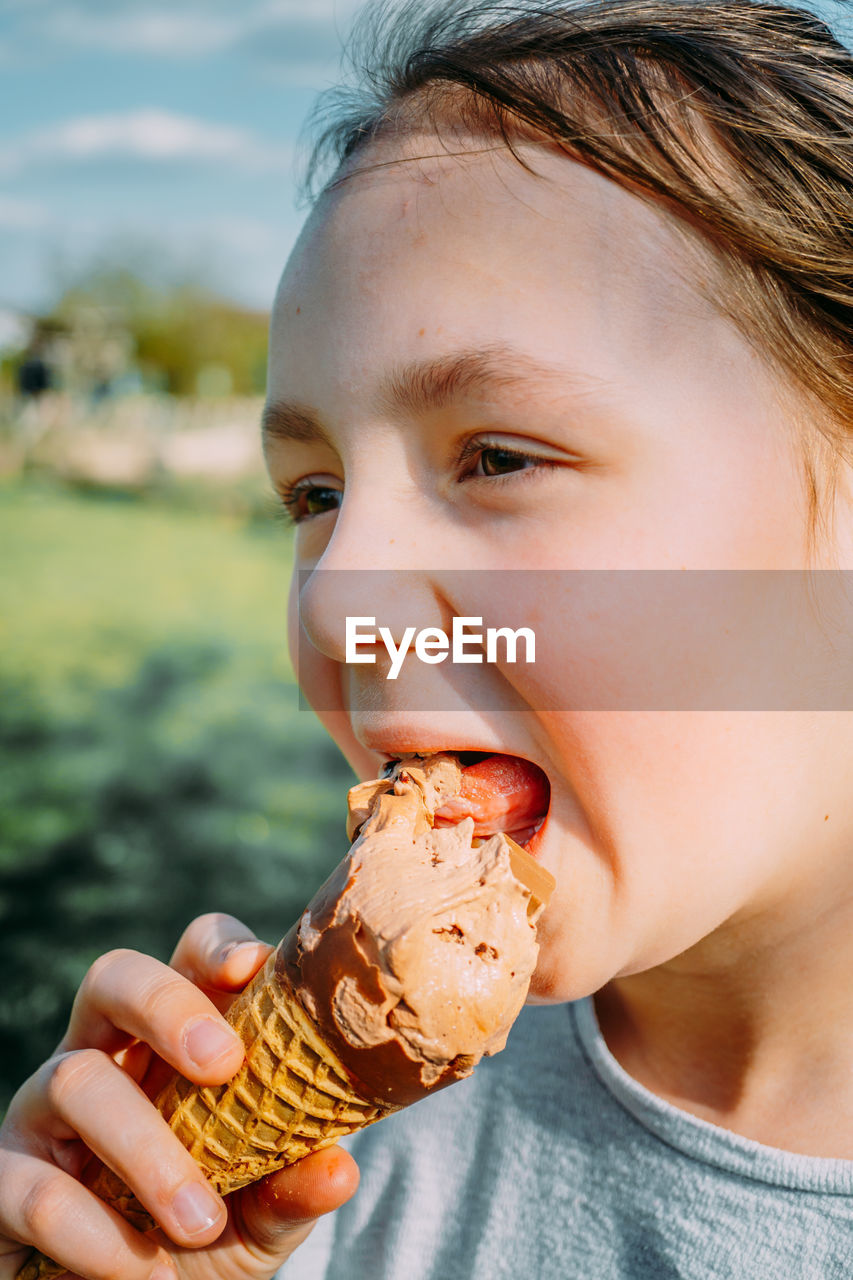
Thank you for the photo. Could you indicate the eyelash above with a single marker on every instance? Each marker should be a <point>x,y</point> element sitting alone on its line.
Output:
<point>290,494</point>
<point>478,446</point>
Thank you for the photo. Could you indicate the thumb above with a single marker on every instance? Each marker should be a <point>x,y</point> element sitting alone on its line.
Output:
<point>274,1216</point>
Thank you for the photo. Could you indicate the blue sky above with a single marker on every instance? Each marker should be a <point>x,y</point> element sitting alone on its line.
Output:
<point>162,131</point>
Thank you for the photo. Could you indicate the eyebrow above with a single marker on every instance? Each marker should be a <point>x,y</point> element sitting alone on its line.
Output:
<point>292,422</point>
<point>427,385</point>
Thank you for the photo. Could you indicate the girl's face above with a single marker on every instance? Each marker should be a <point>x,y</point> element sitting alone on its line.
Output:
<point>478,368</point>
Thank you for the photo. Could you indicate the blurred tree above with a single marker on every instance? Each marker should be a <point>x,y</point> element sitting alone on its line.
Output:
<point>190,333</point>
<point>175,333</point>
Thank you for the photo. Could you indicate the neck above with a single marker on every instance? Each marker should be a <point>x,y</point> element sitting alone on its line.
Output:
<point>751,1029</point>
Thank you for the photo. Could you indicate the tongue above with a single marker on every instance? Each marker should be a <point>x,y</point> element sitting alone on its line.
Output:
<point>501,793</point>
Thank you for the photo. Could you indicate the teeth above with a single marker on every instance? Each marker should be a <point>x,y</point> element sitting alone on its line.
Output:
<point>525,834</point>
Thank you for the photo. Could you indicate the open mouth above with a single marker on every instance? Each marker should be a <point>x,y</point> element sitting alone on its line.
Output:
<point>501,793</point>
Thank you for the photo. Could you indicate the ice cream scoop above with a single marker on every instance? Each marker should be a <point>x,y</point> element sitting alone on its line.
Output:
<point>408,965</point>
<point>416,955</point>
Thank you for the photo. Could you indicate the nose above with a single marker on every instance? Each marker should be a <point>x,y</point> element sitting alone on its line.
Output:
<point>378,565</point>
<point>392,559</point>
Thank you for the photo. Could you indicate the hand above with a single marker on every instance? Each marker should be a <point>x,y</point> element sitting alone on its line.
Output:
<point>134,1020</point>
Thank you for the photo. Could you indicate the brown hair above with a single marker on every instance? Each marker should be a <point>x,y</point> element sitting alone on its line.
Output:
<point>654,94</point>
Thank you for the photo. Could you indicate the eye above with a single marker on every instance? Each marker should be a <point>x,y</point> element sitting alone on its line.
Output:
<point>494,460</point>
<point>491,459</point>
<point>308,497</point>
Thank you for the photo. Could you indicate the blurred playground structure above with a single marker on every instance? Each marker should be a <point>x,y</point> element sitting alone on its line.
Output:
<point>130,386</point>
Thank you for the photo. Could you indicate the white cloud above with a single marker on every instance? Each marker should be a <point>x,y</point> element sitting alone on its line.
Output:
<point>185,29</point>
<point>151,135</point>
<point>165,33</point>
<point>331,11</point>
<point>189,28</point>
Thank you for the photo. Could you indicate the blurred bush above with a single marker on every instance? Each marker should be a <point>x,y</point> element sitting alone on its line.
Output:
<point>153,760</point>
<point>116,328</point>
<point>181,338</point>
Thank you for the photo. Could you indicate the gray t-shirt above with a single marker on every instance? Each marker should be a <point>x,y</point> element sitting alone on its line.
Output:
<point>551,1163</point>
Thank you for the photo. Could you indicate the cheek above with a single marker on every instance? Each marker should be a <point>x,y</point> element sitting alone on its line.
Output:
<point>668,794</point>
<point>319,680</point>
<point>317,675</point>
<point>669,825</point>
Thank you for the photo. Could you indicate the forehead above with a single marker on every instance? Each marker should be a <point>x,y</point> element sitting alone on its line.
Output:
<point>429,243</point>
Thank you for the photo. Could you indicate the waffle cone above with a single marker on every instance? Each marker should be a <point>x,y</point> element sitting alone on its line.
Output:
<point>292,1096</point>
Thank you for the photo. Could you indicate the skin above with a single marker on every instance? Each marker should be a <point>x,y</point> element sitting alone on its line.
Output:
<point>69,1107</point>
<point>700,884</point>
<point>704,887</point>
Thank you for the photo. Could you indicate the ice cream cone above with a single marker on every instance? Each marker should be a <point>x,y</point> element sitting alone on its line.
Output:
<point>292,1096</point>
<point>302,1083</point>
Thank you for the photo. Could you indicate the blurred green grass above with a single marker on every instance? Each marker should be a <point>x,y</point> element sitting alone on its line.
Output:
<point>154,763</point>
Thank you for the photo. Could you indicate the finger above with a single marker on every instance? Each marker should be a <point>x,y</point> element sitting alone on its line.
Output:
<point>12,1257</point>
<point>219,952</point>
<point>276,1215</point>
<point>127,996</point>
<point>86,1090</point>
<point>68,1223</point>
<point>135,1060</point>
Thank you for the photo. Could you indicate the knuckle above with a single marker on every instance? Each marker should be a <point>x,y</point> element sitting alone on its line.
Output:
<point>20,1105</point>
<point>43,1207</point>
<point>69,1071</point>
<point>112,1265</point>
<point>164,1002</point>
<point>114,1268</point>
<point>7,1169</point>
<point>104,965</point>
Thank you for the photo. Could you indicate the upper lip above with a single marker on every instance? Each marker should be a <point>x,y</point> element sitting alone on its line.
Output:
<point>457,748</point>
<point>412,745</point>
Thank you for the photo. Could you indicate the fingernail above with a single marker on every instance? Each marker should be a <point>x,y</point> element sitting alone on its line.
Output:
<point>163,1272</point>
<point>195,1209</point>
<point>207,1041</point>
<point>235,948</point>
